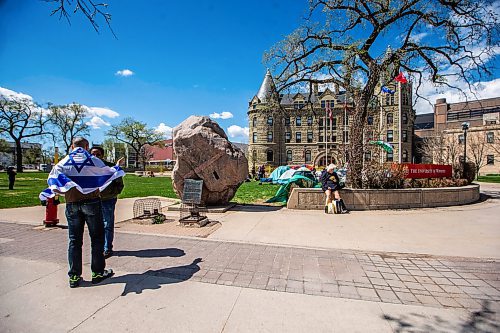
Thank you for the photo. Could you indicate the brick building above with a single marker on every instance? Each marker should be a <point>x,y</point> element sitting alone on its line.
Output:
<point>443,129</point>
<point>296,129</point>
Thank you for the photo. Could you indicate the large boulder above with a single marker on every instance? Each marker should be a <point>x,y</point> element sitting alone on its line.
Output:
<point>204,152</point>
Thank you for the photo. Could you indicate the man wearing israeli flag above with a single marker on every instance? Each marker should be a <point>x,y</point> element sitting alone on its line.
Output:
<point>80,177</point>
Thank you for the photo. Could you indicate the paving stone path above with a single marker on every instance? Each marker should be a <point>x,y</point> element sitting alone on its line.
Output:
<point>381,277</point>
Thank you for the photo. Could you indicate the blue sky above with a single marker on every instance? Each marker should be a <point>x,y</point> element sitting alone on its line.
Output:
<point>188,57</point>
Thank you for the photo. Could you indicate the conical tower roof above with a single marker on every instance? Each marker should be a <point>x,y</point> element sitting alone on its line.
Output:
<point>267,88</point>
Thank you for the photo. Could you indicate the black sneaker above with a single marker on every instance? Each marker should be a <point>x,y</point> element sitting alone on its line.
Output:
<point>98,277</point>
<point>74,281</point>
<point>108,253</point>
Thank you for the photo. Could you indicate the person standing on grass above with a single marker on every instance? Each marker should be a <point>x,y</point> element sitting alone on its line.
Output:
<point>108,202</point>
<point>81,177</point>
<point>12,177</point>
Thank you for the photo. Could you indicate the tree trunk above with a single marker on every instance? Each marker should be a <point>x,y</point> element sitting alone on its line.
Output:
<point>19,156</point>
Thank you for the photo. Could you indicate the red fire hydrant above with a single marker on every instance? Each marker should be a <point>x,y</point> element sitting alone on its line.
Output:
<point>51,211</point>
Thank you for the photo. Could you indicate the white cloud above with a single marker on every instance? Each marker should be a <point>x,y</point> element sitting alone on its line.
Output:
<point>124,72</point>
<point>101,112</point>
<point>13,95</point>
<point>165,130</point>
<point>97,122</point>
<point>235,131</point>
<point>418,37</point>
<point>481,90</point>
<point>222,115</point>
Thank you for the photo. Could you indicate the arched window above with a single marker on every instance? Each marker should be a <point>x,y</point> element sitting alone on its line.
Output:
<point>270,155</point>
<point>405,156</point>
<point>288,155</point>
<point>390,119</point>
<point>308,156</point>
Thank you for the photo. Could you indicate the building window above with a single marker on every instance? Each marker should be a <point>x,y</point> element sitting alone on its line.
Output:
<point>461,139</point>
<point>405,118</point>
<point>288,137</point>
<point>369,135</point>
<point>269,136</point>
<point>308,156</point>
<point>346,121</point>
<point>387,100</point>
<point>369,120</point>
<point>288,155</point>
<point>309,137</point>
<point>405,136</point>
<point>405,156</point>
<point>390,136</point>
<point>390,157</point>
<point>490,159</point>
<point>309,120</point>
<point>321,138</point>
<point>390,119</point>
<point>270,120</point>
<point>254,137</point>
<point>270,155</point>
<point>345,137</point>
<point>298,137</point>
<point>254,106</point>
<point>254,121</point>
<point>392,99</point>
<point>287,121</point>
<point>334,138</point>
<point>298,105</point>
<point>254,156</point>
<point>334,124</point>
<point>321,123</point>
<point>490,137</point>
<point>324,103</point>
<point>298,121</point>
<point>368,156</point>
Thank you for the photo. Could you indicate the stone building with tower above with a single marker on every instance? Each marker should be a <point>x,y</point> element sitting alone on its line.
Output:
<point>295,129</point>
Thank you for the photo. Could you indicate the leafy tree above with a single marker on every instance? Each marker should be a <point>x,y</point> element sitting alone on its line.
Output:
<point>343,42</point>
<point>21,119</point>
<point>137,136</point>
<point>68,122</point>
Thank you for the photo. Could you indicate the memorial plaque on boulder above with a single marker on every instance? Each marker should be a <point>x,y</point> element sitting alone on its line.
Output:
<point>192,191</point>
<point>204,152</point>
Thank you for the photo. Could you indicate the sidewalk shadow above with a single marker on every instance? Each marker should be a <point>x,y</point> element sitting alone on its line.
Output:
<point>150,253</point>
<point>255,208</point>
<point>137,282</point>
<point>480,321</point>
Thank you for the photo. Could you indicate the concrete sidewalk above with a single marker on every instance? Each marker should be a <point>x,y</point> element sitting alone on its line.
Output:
<point>157,289</point>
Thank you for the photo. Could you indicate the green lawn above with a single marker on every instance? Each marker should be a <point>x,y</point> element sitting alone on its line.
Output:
<point>29,184</point>
<point>489,178</point>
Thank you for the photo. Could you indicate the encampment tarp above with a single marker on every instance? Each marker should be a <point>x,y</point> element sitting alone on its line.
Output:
<point>276,174</point>
<point>285,177</point>
<point>299,180</point>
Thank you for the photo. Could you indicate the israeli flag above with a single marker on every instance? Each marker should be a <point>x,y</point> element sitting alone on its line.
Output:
<point>81,170</point>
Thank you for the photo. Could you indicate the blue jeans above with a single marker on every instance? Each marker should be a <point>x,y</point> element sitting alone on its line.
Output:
<point>108,215</point>
<point>77,214</point>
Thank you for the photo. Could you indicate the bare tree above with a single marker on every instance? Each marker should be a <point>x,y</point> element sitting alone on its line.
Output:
<point>137,136</point>
<point>342,42</point>
<point>21,119</point>
<point>89,8</point>
<point>477,148</point>
<point>68,122</point>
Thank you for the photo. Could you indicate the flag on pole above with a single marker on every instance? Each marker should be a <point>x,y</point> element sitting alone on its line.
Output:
<point>81,170</point>
<point>401,78</point>
<point>329,110</point>
<point>386,90</point>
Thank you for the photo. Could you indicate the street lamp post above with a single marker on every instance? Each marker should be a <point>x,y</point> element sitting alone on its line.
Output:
<point>465,127</point>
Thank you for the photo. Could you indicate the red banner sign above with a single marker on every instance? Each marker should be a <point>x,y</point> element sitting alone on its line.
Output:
<point>427,171</point>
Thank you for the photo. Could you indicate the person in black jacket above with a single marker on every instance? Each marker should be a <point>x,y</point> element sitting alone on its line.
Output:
<point>108,203</point>
<point>330,184</point>
<point>12,177</point>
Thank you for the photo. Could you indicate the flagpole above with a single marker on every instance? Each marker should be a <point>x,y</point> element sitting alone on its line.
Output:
<point>399,130</point>
<point>326,137</point>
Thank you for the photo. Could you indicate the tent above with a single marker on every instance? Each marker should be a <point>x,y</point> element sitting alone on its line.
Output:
<point>287,175</point>
<point>284,190</point>
<point>276,174</point>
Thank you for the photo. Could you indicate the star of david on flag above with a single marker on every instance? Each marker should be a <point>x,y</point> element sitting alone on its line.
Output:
<point>82,171</point>
<point>79,165</point>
